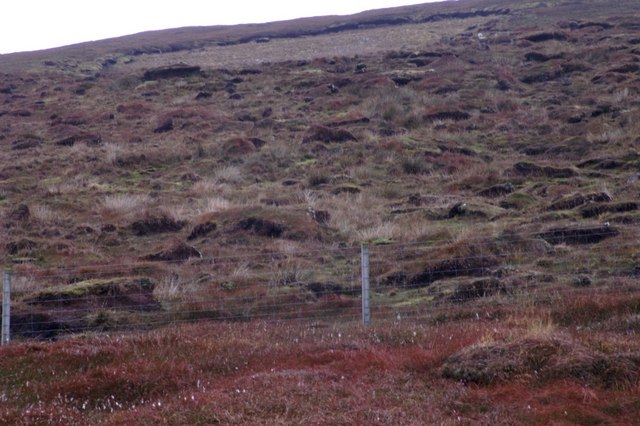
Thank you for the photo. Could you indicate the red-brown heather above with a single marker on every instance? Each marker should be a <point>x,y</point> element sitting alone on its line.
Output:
<point>183,211</point>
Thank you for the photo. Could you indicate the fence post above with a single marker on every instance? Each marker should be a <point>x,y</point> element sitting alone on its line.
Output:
<point>6,307</point>
<point>366,296</point>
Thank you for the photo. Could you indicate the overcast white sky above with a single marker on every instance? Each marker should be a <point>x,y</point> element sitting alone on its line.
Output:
<point>41,24</point>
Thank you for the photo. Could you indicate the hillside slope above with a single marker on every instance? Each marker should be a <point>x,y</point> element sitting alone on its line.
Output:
<point>487,151</point>
<point>438,111</point>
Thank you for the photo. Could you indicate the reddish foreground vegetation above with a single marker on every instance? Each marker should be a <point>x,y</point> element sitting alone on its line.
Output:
<point>536,368</point>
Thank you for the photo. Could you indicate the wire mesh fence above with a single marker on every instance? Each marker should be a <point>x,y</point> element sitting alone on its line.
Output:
<point>418,281</point>
<point>485,277</point>
<point>48,303</point>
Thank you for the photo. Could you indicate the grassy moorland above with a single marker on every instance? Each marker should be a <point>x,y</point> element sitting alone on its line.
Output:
<point>486,150</point>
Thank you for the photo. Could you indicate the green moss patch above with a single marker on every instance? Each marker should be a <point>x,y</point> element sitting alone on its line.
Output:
<point>83,291</point>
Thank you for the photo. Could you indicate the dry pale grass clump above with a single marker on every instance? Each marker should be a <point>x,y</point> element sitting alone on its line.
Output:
<point>24,284</point>
<point>399,105</point>
<point>81,151</point>
<point>405,230</point>
<point>215,204</point>
<point>421,230</point>
<point>171,288</point>
<point>209,186</point>
<point>242,271</point>
<point>351,214</point>
<point>609,136</point>
<point>229,175</point>
<point>69,186</point>
<point>112,152</point>
<point>179,212</point>
<point>383,231</point>
<point>126,203</point>
<point>46,214</point>
<point>130,206</point>
<point>279,153</point>
<point>289,247</point>
<point>531,323</point>
<point>620,96</point>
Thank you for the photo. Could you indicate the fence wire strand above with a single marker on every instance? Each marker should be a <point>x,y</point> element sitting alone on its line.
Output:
<point>416,281</point>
